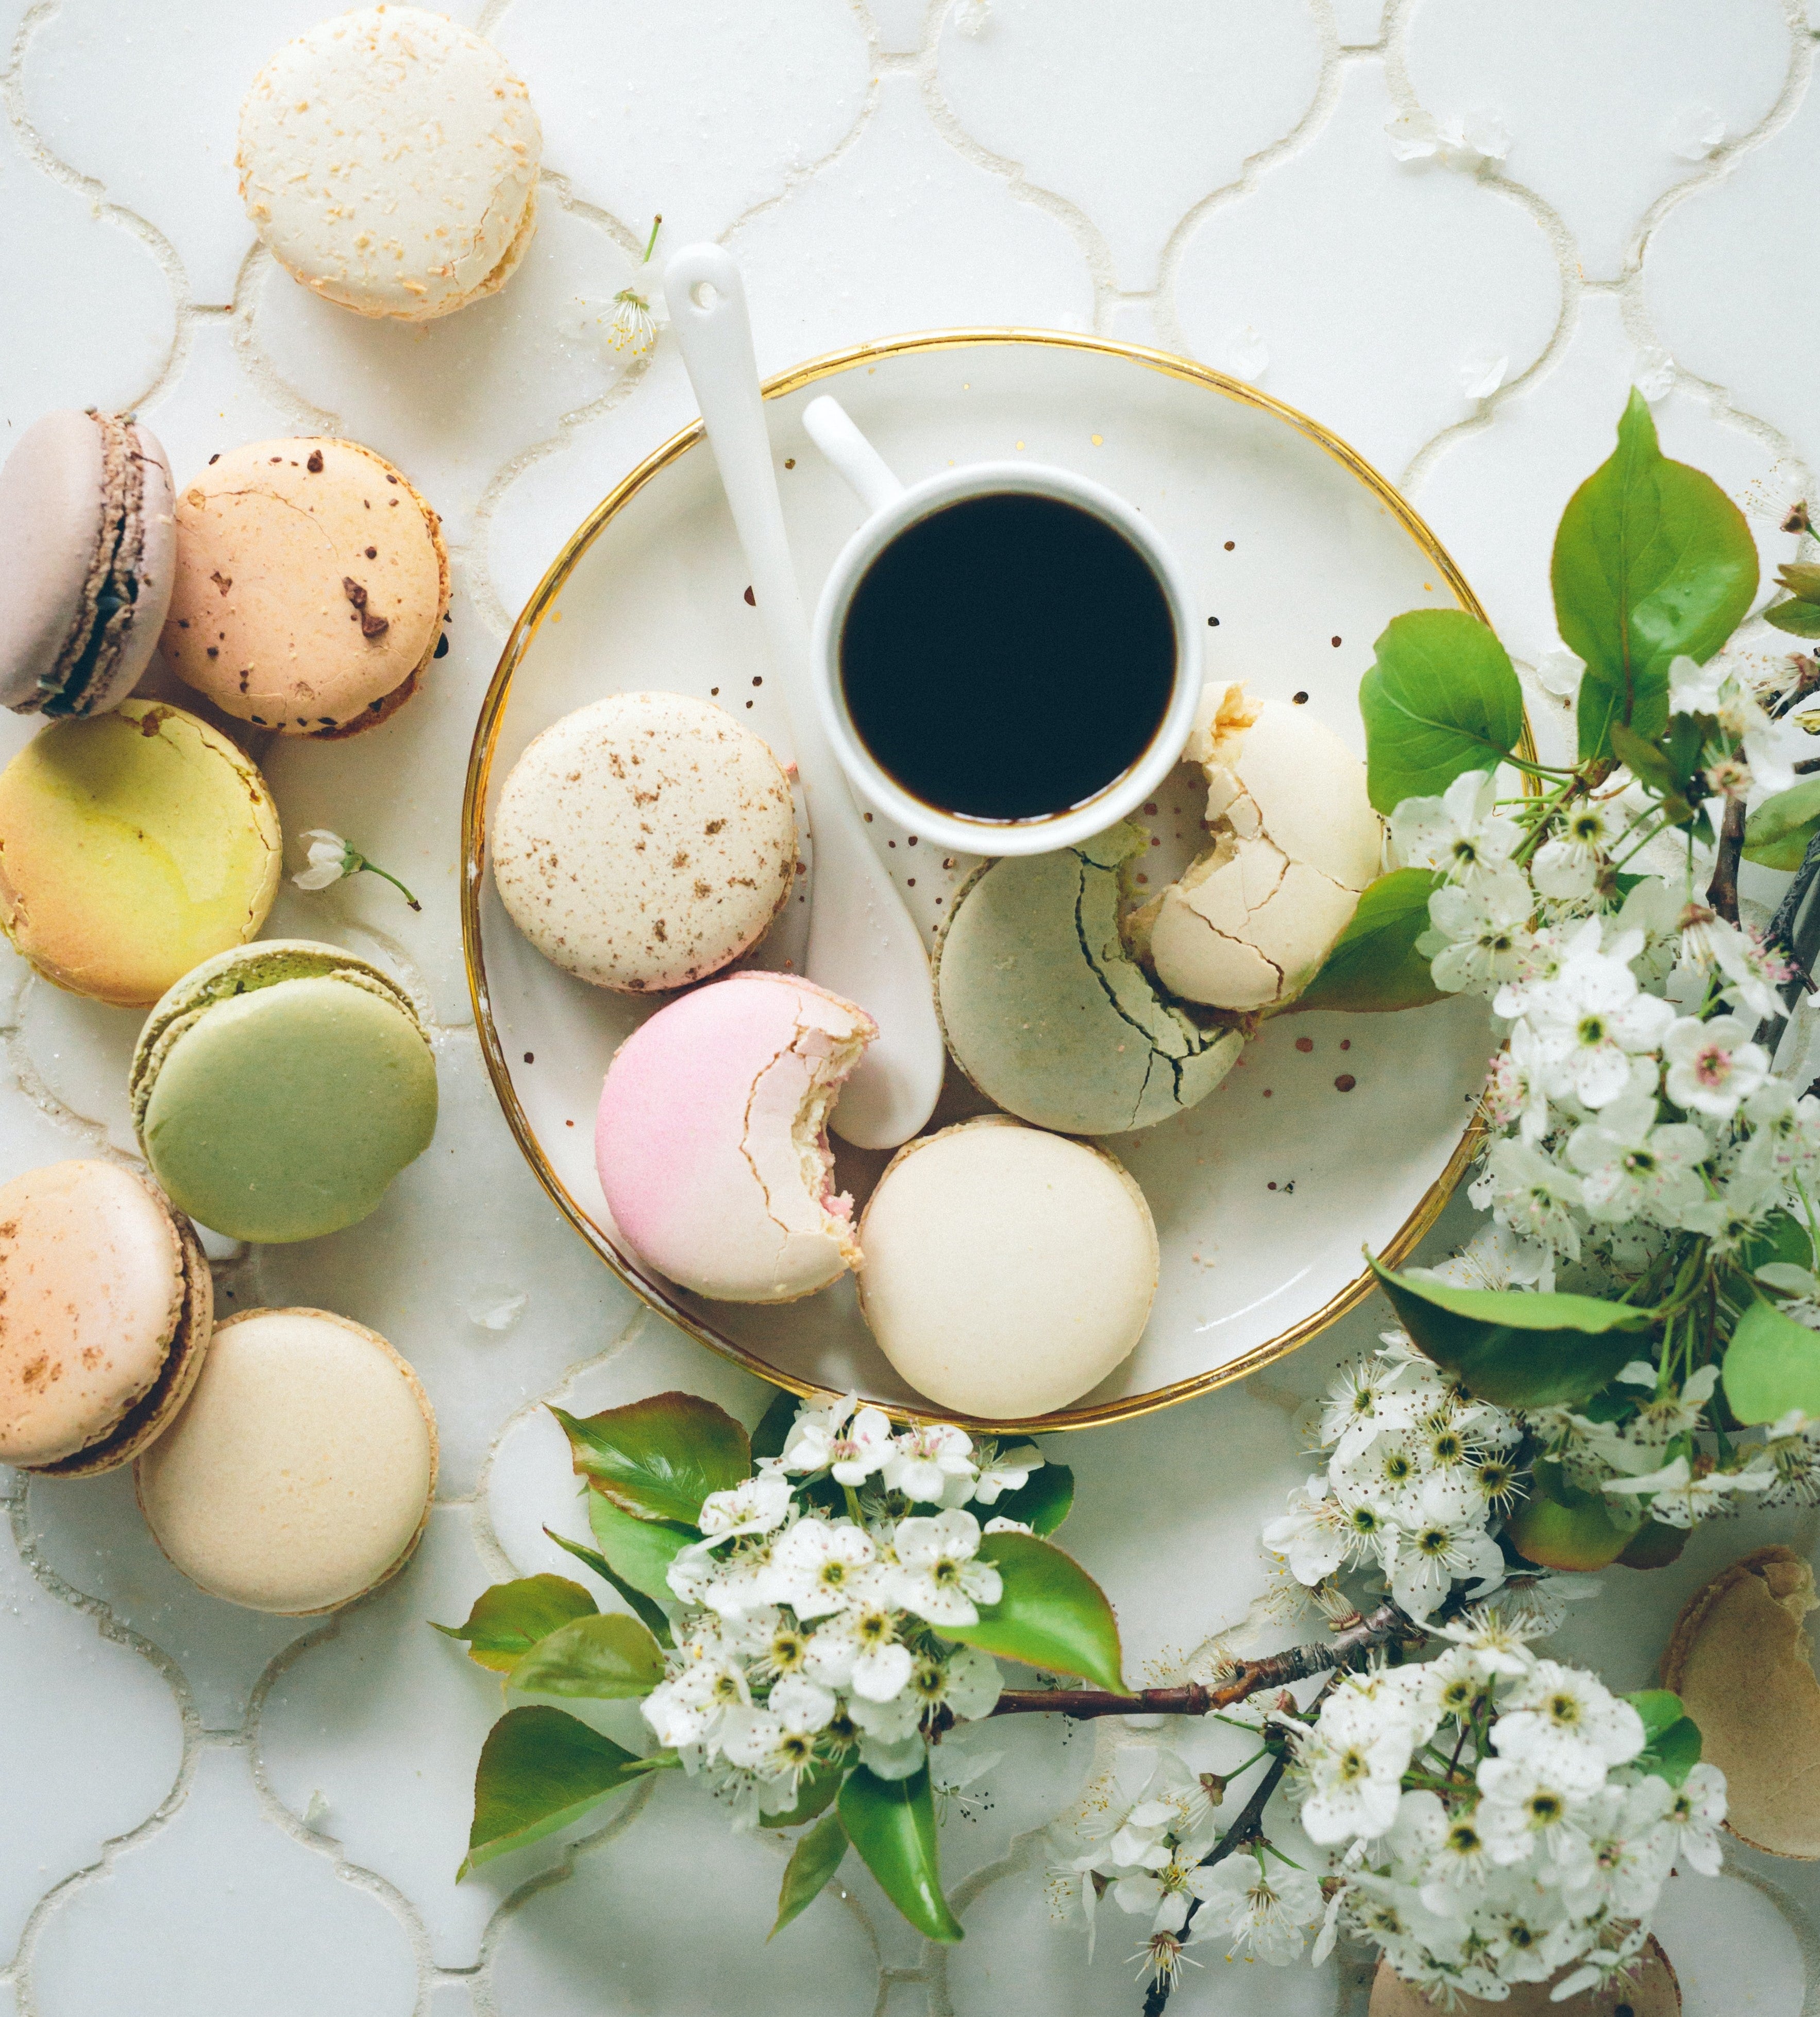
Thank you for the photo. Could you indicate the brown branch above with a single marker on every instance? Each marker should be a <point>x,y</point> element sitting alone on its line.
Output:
<point>1722,891</point>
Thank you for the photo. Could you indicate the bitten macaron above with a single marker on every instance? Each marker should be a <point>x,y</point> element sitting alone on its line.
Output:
<point>312,583</point>
<point>107,1306</point>
<point>300,1475</point>
<point>644,841</point>
<point>277,1090</point>
<point>389,160</point>
<point>87,530</point>
<point>1004,1271</point>
<point>133,845</point>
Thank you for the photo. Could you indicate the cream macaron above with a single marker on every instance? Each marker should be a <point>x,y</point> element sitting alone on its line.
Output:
<point>712,1138</point>
<point>107,1306</point>
<point>300,1475</point>
<point>389,159</point>
<point>1004,1271</point>
<point>644,841</point>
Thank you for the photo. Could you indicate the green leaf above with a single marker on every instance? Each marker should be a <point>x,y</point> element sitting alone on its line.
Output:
<point>1801,579</point>
<point>813,1862</point>
<point>1671,1738</point>
<point>1651,560</point>
<point>774,1426</point>
<point>1777,834</point>
<point>1052,1613</point>
<point>1442,699</point>
<point>1659,1708</point>
<point>891,1822</point>
<point>607,1657</point>
<point>640,1550</point>
<point>540,1769</point>
<point>509,1619</point>
<point>1799,620</point>
<point>1654,1546</point>
<point>1645,760</point>
<point>1558,1527</point>
<point>1518,1349</point>
<point>1042,1502</point>
<point>654,1616</point>
<point>1771,1364</point>
<point>1781,1237</point>
<point>1375,967</point>
<point>659,1459</point>
<point>815,1791</point>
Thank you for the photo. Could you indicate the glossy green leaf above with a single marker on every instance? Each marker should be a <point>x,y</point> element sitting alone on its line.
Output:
<point>540,1769</point>
<point>813,1862</point>
<point>1801,579</point>
<point>1052,1613</point>
<point>659,1459</point>
<point>1771,1364</point>
<point>1573,1531</point>
<point>1442,699</point>
<point>1375,967</point>
<point>1513,1347</point>
<point>640,1550</point>
<point>891,1822</point>
<point>1654,1546</point>
<point>1781,1237</point>
<point>1651,560</point>
<point>815,1792</point>
<point>607,1657</point>
<point>1777,834</point>
<point>509,1619</point>
<point>1796,619</point>
<point>1042,1502</point>
<point>1659,1708</point>
<point>655,1618</point>
<point>1671,1738</point>
<point>774,1425</point>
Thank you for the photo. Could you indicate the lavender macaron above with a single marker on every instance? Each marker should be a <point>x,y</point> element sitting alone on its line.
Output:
<point>89,530</point>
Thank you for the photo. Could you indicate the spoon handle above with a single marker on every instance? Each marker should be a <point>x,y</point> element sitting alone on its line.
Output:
<point>863,943</point>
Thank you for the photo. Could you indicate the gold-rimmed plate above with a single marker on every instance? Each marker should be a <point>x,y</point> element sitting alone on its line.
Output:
<point>1335,1133</point>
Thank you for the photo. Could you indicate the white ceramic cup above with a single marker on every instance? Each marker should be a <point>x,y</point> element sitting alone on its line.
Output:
<point>893,507</point>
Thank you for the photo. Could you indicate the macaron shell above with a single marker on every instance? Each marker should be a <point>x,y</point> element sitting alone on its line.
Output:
<point>133,845</point>
<point>389,159</point>
<point>283,1113</point>
<point>1004,1272</point>
<point>644,841</point>
<point>148,559</point>
<point>300,1475</point>
<point>50,497</point>
<point>289,553</point>
<point>92,1292</point>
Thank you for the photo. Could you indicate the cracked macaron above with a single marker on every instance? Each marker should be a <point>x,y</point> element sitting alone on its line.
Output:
<point>644,841</point>
<point>1294,840</point>
<point>312,582</point>
<point>278,1089</point>
<point>133,845</point>
<point>712,1138</point>
<point>106,1305</point>
<point>1045,1010</point>
<point>86,526</point>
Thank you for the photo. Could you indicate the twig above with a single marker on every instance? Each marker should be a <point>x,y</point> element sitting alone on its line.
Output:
<point>1796,928</point>
<point>1722,891</point>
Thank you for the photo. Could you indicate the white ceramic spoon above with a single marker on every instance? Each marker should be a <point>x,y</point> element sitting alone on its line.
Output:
<point>863,943</point>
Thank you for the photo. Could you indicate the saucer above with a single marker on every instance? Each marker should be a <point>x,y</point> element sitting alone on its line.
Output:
<point>1333,1134</point>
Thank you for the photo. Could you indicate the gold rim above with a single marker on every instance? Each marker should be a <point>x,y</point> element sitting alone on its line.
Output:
<point>655,1292</point>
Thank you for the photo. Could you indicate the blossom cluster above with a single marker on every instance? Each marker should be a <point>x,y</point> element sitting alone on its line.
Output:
<point>817,1602</point>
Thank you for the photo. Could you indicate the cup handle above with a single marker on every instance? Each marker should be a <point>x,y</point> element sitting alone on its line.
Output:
<point>852,455</point>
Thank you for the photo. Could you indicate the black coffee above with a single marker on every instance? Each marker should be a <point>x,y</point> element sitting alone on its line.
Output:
<point>1008,657</point>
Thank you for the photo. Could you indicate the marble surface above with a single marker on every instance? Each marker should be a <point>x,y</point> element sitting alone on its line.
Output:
<point>210,1813</point>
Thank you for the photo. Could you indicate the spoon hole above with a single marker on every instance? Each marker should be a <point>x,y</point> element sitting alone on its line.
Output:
<point>704,293</point>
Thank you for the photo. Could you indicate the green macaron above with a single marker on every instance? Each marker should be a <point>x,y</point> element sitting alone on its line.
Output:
<point>1045,1010</point>
<point>278,1089</point>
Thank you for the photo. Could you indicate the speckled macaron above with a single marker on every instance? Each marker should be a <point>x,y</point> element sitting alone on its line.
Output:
<point>644,841</point>
<point>1005,1271</point>
<point>133,845</point>
<point>389,160</point>
<point>278,1090</point>
<point>105,1308</point>
<point>312,583</point>
<point>1046,1012</point>
<point>299,1476</point>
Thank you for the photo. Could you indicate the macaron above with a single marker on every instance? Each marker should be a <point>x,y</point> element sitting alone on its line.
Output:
<point>300,1475</point>
<point>277,1090</point>
<point>105,1308</point>
<point>389,159</point>
<point>133,845</point>
<point>312,583</point>
<point>712,1138</point>
<point>86,526</point>
<point>1046,1012</point>
<point>644,841</point>
<point>1005,1271</point>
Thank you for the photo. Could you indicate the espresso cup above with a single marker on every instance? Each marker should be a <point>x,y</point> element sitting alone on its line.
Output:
<point>940,627</point>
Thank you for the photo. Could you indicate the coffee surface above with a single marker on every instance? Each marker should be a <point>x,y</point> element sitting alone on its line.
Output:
<point>1008,657</point>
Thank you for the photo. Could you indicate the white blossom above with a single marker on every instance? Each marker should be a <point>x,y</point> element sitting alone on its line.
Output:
<point>1567,1723</point>
<point>931,1463</point>
<point>1713,1066</point>
<point>851,1444</point>
<point>938,1576</point>
<point>1461,833</point>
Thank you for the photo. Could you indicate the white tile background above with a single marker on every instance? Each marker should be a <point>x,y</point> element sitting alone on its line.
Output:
<point>206,1813</point>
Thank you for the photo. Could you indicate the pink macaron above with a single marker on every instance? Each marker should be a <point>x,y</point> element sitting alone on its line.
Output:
<point>712,1141</point>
